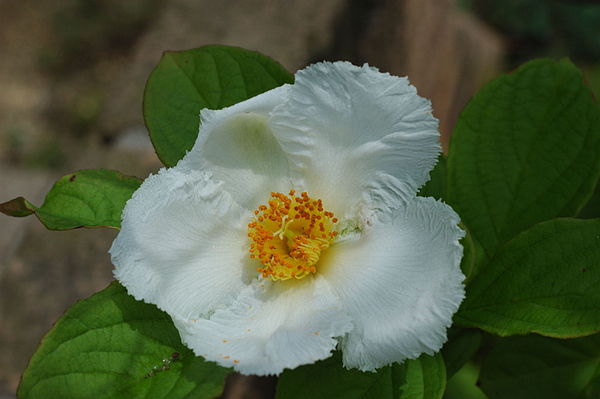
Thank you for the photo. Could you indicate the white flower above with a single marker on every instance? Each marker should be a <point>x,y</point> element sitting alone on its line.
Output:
<point>352,259</point>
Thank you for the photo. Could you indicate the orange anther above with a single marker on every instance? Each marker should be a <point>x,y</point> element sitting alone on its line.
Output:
<point>283,235</point>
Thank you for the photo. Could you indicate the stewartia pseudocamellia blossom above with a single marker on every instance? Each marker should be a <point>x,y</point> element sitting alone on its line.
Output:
<point>293,228</point>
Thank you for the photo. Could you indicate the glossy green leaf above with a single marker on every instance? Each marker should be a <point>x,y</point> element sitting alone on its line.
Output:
<point>112,346</point>
<point>87,198</point>
<point>545,281</point>
<point>461,346</point>
<point>212,77</point>
<point>534,367</point>
<point>422,378</point>
<point>525,149</point>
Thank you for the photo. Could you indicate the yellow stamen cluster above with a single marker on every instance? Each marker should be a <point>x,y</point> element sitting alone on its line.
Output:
<point>289,234</point>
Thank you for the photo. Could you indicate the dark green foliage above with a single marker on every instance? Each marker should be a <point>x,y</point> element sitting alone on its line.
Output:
<point>422,378</point>
<point>112,346</point>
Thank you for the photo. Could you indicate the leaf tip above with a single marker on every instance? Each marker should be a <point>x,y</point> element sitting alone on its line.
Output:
<point>17,207</point>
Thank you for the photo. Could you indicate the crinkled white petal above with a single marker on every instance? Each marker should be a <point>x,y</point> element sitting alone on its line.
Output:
<point>361,141</point>
<point>237,145</point>
<point>400,282</point>
<point>270,327</point>
<point>182,244</point>
<point>356,135</point>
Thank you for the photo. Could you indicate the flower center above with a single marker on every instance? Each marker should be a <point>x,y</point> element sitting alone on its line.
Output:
<point>289,234</point>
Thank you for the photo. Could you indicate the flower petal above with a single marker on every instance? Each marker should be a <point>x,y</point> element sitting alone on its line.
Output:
<point>400,282</point>
<point>182,245</point>
<point>237,145</point>
<point>270,327</point>
<point>357,134</point>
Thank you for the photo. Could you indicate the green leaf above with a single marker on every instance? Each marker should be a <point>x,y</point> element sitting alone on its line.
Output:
<point>212,77</point>
<point>463,384</point>
<point>436,186</point>
<point>328,379</point>
<point>112,346</point>
<point>470,261</point>
<point>88,198</point>
<point>422,378</point>
<point>461,346</point>
<point>544,281</point>
<point>525,149</point>
<point>592,207</point>
<point>592,77</point>
<point>535,367</point>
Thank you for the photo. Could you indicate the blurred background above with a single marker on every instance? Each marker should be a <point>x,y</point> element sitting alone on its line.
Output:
<point>72,75</point>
